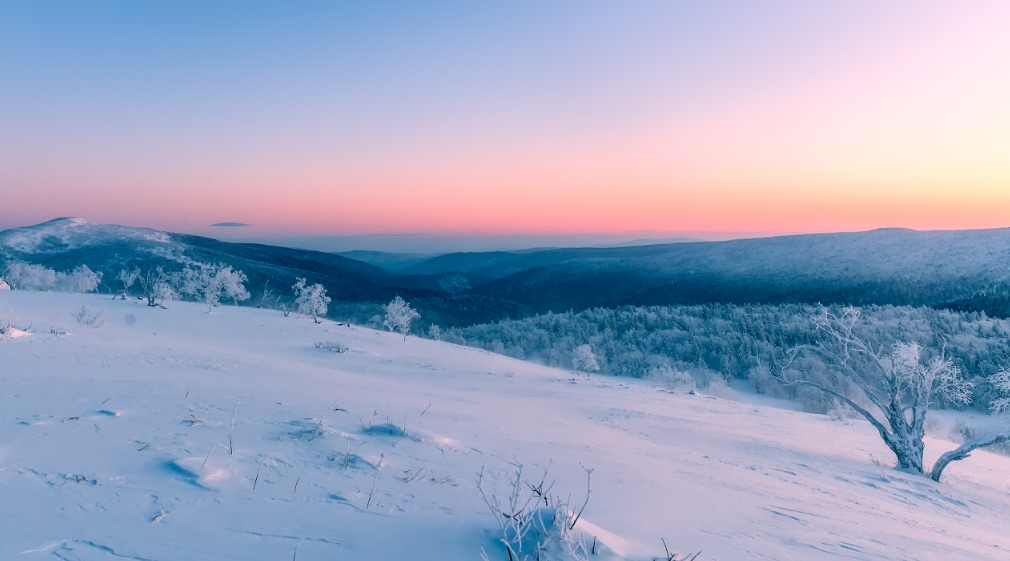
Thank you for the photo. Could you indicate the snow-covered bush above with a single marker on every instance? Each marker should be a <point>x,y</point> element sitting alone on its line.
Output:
<point>676,381</point>
<point>210,284</point>
<point>20,275</point>
<point>435,332</point>
<point>27,276</point>
<point>80,280</point>
<point>310,300</point>
<point>398,316</point>
<point>86,318</point>
<point>536,525</point>
<point>332,346</point>
<point>584,359</point>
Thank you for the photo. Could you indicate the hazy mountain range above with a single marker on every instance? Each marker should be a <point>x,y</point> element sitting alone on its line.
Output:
<point>965,270</point>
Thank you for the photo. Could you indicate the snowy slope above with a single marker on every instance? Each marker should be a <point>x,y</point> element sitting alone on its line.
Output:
<point>100,457</point>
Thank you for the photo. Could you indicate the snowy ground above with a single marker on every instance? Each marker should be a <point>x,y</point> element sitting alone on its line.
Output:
<point>114,443</point>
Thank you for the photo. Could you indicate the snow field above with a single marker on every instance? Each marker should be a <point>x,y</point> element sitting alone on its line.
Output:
<point>114,443</point>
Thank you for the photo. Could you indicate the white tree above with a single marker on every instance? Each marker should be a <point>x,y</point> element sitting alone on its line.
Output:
<point>26,276</point>
<point>80,280</point>
<point>158,287</point>
<point>584,359</point>
<point>128,277</point>
<point>311,300</point>
<point>399,316</point>
<point>210,283</point>
<point>897,383</point>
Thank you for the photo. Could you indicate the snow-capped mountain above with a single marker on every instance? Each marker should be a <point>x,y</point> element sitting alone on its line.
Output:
<point>64,234</point>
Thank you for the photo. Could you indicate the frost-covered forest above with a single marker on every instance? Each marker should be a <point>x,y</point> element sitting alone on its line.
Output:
<point>718,343</point>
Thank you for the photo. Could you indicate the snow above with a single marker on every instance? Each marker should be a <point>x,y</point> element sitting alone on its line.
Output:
<point>114,443</point>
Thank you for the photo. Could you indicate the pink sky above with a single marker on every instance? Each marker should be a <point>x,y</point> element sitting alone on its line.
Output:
<point>791,119</point>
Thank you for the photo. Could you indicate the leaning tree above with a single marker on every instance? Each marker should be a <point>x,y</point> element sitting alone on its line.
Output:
<point>898,385</point>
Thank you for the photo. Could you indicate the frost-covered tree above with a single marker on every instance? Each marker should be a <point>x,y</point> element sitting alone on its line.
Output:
<point>399,316</point>
<point>27,276</point>
<point>892,387</point>
<point>584,359</point>
<point>80,280</point>
<point>158,287</point>
<point>212,283</point>
<point>128,277</point>
<point>311,300</point>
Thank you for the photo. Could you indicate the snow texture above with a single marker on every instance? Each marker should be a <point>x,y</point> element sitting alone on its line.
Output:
<point>181,435</point>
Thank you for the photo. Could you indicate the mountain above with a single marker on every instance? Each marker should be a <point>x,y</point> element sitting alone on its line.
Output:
<point>65,243</point>
<point>960,269</point>
<point>965,270</point>
<point>388,261</point>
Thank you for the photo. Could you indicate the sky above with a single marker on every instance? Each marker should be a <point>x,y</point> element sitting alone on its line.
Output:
<point>510,118</point>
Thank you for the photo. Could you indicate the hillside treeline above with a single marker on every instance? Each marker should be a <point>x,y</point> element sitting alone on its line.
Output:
<point>715,343</point>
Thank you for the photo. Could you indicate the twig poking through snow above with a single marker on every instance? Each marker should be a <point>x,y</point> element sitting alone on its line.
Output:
<point>295,556</point>
<point>257,476</point>
<point>208,456</point>
<point>412,477</point>
<point>296,484</point>
<point>426,408</point>
<point>323,418</point>
<point>377,468</point>
<point>231,449</point>
<point>589,491</point>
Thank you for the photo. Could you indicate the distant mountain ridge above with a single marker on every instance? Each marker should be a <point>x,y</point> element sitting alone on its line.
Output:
<point>965,270</point>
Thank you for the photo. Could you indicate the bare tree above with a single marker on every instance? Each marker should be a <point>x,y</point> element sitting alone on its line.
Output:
<point>128,277</point>
<point>897,384</point>
<point>157,286</point>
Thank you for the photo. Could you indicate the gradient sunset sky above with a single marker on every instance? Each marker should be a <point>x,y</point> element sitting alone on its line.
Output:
<point>340,118</point>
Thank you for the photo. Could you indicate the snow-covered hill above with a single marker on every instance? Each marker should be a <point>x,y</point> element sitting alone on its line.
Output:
<point>64,234</point>
<point>115,444</point>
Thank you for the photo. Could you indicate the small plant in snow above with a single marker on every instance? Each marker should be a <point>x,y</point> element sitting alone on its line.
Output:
<point>584,359</point>
<point>399,316</point>
<point>536,525</point>
<point>332,346</point>
<point>310,300</point>
<point>86,318</point>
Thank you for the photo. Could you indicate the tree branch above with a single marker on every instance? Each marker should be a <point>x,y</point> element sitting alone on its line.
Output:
<point>869,416</point>
<point>965,451</point>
